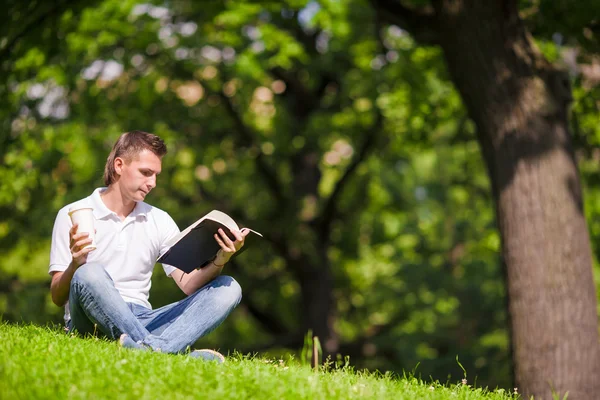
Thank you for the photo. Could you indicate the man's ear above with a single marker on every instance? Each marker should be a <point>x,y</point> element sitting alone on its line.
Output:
<point>119,162</point>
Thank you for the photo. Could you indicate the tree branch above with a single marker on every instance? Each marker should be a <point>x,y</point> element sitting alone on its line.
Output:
<point>267,173</point>
<point>247,137</point>
<point>419,22</point>
<point>303,100</point>
<point>330,209</point>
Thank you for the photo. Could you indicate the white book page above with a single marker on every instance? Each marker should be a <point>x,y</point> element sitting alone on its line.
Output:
<point>223,218</point>
<point>251,230</point>
<point>226,220</point>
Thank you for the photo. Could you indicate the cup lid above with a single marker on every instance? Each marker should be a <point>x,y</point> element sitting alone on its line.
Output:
<point>77,208</point>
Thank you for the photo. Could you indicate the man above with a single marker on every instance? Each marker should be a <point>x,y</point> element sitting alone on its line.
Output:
<point>107,288</point>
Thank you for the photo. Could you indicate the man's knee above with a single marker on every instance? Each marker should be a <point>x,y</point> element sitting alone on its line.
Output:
<point>89,274</point>
<point>232,291</point>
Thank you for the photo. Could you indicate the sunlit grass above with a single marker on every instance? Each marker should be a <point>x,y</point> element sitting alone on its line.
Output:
<point>42,363</point>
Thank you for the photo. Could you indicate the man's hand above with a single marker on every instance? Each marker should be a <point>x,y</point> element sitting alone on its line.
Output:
<point>78,241</point>
<point>228,248</point>
<point>196,279</point>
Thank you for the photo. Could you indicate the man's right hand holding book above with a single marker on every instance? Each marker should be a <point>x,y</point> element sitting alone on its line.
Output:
<point>228,248</point>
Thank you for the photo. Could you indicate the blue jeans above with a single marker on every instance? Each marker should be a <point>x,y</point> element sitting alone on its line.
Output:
<point>95,303</point>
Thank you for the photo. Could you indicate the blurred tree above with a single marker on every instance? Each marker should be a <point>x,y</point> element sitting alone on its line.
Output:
<point>519,103</point>
<point>339,138</point>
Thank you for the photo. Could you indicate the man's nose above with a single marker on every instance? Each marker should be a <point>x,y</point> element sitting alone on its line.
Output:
<point>152,181</point>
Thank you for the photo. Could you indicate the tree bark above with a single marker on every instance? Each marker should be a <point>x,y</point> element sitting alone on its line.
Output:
<point>519,103</point>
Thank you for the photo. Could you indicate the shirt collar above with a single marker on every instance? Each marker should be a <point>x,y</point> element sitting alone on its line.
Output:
<point>101,211</point>
<point>140,210</point>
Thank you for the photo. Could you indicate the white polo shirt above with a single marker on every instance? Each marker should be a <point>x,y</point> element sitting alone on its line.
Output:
<point>127,249</point>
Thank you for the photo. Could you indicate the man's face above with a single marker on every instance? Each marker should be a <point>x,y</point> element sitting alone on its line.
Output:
<point>138,176</point>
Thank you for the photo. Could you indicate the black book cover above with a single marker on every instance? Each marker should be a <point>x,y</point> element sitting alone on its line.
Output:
<point>198,247</point>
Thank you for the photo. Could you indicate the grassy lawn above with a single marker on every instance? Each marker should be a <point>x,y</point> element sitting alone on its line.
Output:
<point>42,363</point>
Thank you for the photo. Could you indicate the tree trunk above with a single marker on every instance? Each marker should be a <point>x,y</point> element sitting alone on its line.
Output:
<point>316,286</point>
<point>519,103</point>
<point>310,265</point>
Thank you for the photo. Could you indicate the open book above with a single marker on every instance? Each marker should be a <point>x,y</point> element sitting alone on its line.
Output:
<point>195,246</point>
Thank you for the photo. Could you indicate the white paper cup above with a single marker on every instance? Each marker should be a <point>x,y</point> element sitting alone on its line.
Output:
<point>84,217</point>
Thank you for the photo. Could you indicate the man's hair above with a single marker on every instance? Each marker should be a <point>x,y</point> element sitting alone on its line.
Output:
<point>129,145</point>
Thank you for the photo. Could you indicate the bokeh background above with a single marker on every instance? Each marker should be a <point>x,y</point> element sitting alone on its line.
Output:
<point>337,136</point>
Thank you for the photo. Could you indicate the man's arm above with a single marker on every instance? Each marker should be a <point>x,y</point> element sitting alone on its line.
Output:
<point>61,281</point>
<point>193,281</point>
<point>61,285</point>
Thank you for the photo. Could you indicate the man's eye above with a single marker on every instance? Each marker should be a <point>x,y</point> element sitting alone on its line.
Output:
<point>147,173</point>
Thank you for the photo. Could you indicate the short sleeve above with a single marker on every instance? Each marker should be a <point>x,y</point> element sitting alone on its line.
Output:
<point>168,230</point>
<point>60,254</point>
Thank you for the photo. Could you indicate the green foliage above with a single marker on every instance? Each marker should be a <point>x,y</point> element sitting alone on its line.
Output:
<point>250,93</point>
<point>571,24</point>
<point>44,363</point>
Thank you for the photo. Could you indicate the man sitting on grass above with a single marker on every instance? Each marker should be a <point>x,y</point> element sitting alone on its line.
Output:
<point>106,288</point>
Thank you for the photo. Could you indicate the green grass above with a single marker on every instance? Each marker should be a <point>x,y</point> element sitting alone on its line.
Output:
<point>43,363</point>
